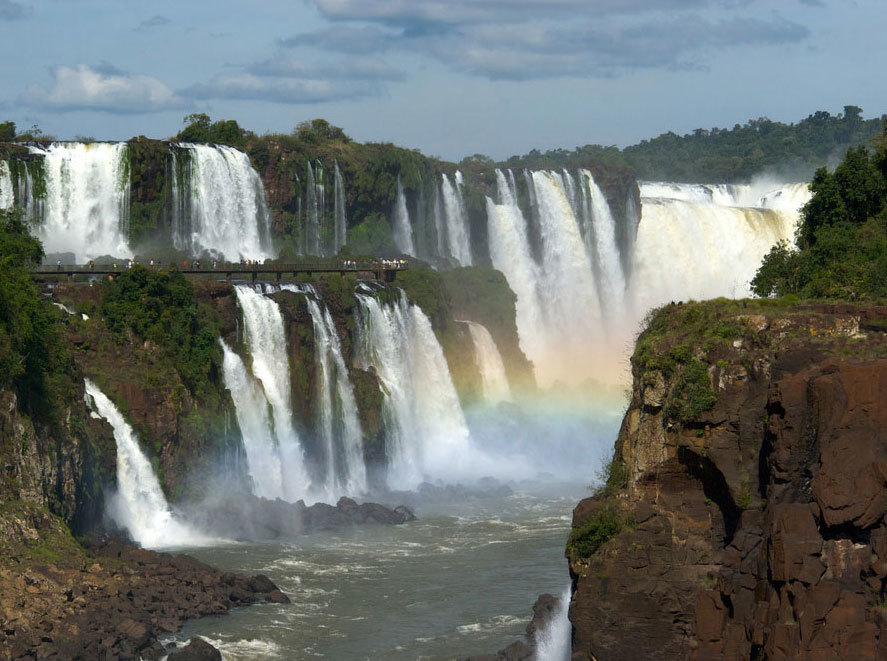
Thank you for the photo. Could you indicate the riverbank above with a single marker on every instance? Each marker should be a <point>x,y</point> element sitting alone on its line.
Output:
<point>61,600</point>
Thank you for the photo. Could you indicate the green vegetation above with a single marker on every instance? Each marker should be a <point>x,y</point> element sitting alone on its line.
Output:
<point>585,540</point>
<point>7,131</point>
<point>691,392</point>
<point>200,128</point>
<point>160,308</point>
<point>613,478</point>
<point>725,155</point>
<point>32,357</point>
<point>840,250</point>
<point>54,545</point>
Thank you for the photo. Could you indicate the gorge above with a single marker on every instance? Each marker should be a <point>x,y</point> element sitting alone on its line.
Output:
<point>453,390</point>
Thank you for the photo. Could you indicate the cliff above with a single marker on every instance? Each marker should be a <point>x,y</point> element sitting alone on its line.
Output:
<point>743,512</point>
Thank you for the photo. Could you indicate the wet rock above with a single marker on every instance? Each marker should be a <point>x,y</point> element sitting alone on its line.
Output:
<point>196,650</point>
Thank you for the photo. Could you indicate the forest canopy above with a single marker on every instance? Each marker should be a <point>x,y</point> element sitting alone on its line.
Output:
<point>721,155</point>
<point>840,249</point>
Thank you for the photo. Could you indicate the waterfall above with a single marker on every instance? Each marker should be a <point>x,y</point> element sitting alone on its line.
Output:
<point>402,228</point>
<point>489,363</point>
<point>312,219</point>
<point>341,223</point>
<point>339,425</point>
<point>180,216</point>
<point>510,253</point>
<point>229,216</point>
<point>691,244</point>
<point>558,308</point>
<point>86,208</point>
<point>604,249</point>
<point>139,504</point>
<point>426,431</point>
<point>7,194</point>
<point>254,417</point>
<point>270,366</point>
<point>458,242</point>
<point>554,642</point>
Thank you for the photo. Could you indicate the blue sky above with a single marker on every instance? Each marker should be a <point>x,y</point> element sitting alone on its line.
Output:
<point>449,77</point>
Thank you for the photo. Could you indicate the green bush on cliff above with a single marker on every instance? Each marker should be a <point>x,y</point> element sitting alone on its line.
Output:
<point>30,348</point>
<point>159,307</point>
<point>840,249</point>
<point>585,540</point>
<point>691,392</point>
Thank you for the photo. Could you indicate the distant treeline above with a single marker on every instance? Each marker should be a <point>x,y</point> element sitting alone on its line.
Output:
<point>727,155</point>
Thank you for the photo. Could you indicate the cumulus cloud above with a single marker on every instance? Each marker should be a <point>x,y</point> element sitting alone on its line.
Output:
<point>105,89</point>
<point>528,39</point>
<point>10,11</point>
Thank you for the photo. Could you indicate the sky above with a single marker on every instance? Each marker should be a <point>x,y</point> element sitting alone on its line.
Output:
<point>448,77</point>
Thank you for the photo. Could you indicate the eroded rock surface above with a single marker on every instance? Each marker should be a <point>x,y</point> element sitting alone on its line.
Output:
<point>754,527</point>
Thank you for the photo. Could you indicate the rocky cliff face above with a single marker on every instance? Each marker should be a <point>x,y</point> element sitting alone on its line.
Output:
<point>744,512</point>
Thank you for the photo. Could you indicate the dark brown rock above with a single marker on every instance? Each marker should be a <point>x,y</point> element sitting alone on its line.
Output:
<point>196,650</point>
<point>757,528</point>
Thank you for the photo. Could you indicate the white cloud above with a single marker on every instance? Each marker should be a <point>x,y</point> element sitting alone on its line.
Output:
<point>106,90</point>
<point>280,90</point>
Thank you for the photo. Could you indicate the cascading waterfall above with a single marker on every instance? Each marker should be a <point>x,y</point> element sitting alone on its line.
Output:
<point>7,194</point>
<point>489,362</point>
<point>510,253</point>
<point>312,215</point>
<point>86,207</point>
<point>270,366</point>
<point>339,424</point>
<point>402,228</point>
<point>602,226</point>
<point>690,245</point>
<point>180,213</point>
<point>426,430</point>
<point>139,504</point>
<point>558,309</point>
<point>228,213</point>
<point>340,221</point>
<point>254,417</point>
<point>458,242</point>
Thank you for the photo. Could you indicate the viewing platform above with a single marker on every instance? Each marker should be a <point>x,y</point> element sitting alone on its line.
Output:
<point>380,270</point>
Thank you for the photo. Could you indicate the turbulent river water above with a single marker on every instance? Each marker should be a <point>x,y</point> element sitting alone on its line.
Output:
<point>459,580</point>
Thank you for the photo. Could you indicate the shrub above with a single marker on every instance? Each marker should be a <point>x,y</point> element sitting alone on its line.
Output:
<point>585,540</point>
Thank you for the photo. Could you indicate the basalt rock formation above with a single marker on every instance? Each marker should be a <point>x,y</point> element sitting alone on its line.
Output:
<point>744,514</point>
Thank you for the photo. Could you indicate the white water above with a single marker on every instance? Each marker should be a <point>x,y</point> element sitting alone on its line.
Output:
<point>340,221</point>
<point>605,250</point>
<point>489,362</point>
<point>402,228</point>
<point>87,200</point>
<point>456,220</point>
<point>575,308</point>
<point>7,194</point>
<point>229,216</point>
<point>426,432</point>
<point>692,244</point>
<point>510,253</point>
<point>139,504</point>
<point>338,423</point>
<point>554,642</point>
<point>254,417</point>
<point>312,215</point>
<point>270,366</point>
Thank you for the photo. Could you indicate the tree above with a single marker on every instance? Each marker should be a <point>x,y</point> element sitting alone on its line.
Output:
<point>7,131</point>
<point>196,129</point>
